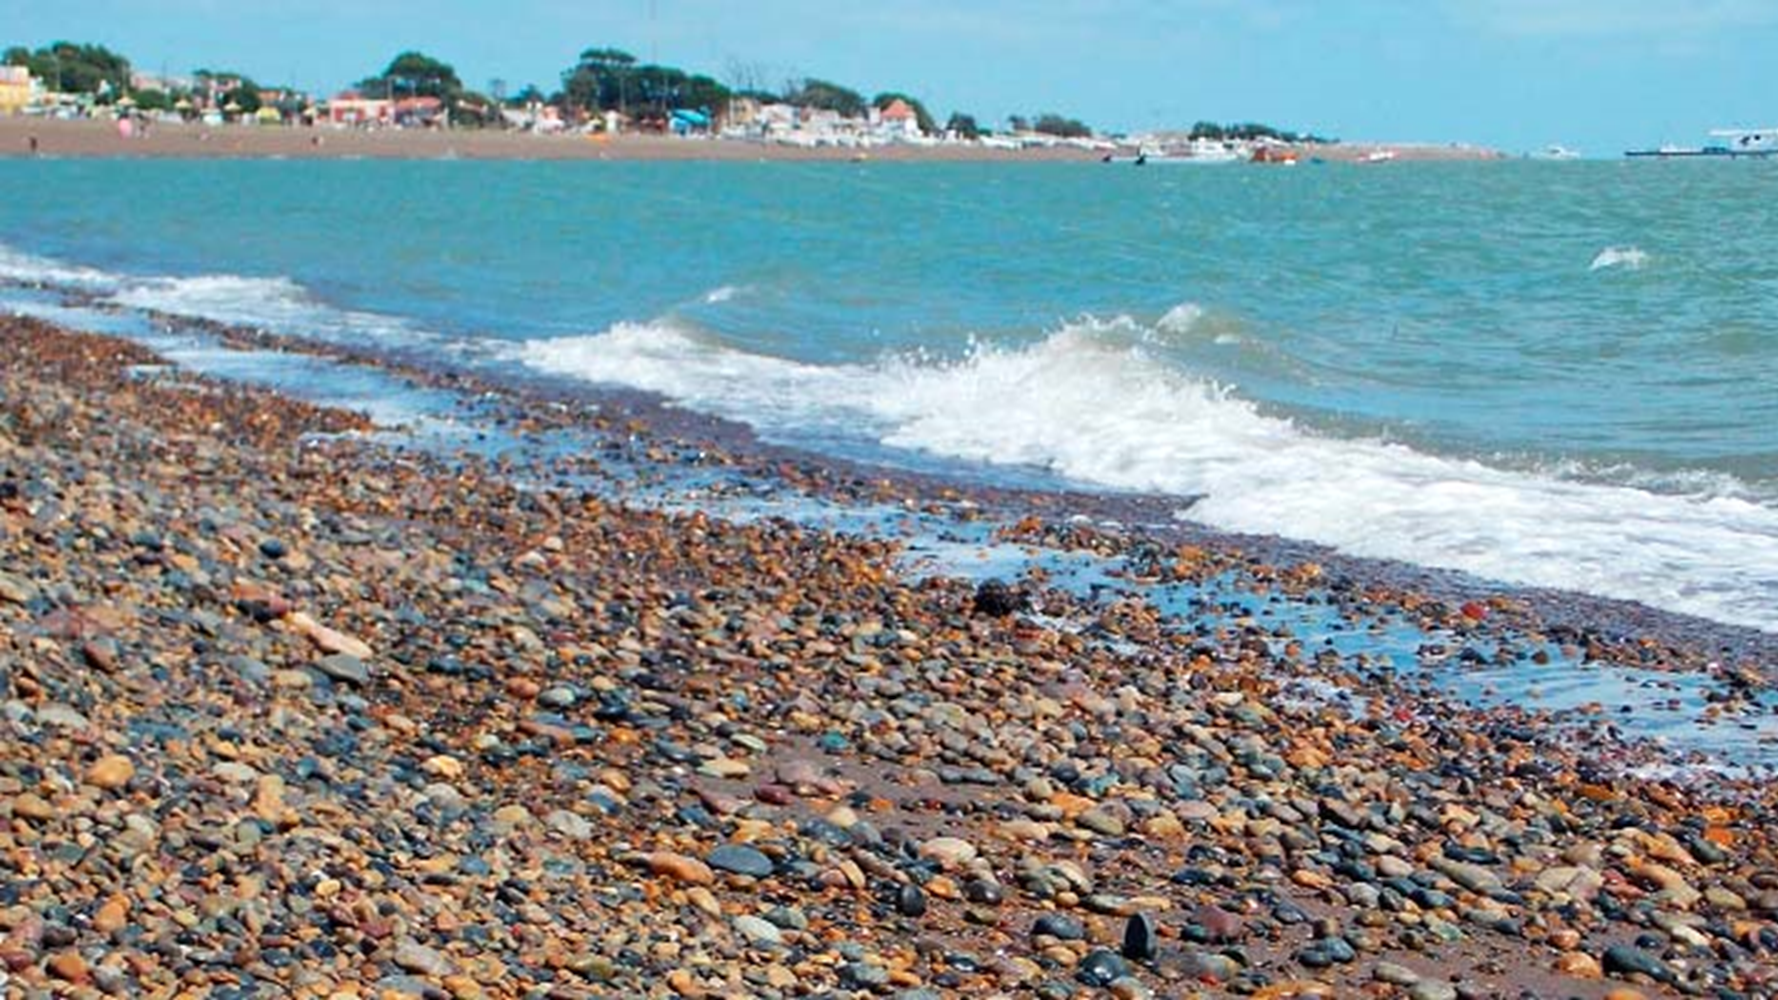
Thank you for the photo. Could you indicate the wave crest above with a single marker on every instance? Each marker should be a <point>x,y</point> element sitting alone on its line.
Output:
<point>1087,403</point>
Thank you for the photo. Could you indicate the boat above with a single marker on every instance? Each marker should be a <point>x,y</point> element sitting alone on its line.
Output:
<point>1556,153</point>
<point>1379,156</point>
<point>1737,143</point>
<point>1278,155</point>
<point>1200,153</point>
<point>1748,142</point>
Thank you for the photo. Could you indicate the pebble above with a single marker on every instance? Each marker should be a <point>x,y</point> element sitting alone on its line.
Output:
<point>1623,959</point>
<point>950,852</point>
<point>1399,975</point>
<point>758,931</point>
<point>111,771</point>
<point>1141,941</point>
<point>739,859</point>
<point>679,868</point>
<point>1101,968</point>
<point>1059,926</point>
<point>751,760</point>
<point>418,958</point>
<point>344,667</point>
<point>910,901</point>
<point>570,825</point>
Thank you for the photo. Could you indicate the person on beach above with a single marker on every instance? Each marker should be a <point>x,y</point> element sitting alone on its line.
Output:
<point>31,141</point>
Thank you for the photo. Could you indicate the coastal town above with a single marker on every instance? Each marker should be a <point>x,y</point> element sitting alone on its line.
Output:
<point>607,97</point>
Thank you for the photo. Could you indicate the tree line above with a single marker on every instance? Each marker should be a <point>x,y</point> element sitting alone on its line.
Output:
<point>602,79</point>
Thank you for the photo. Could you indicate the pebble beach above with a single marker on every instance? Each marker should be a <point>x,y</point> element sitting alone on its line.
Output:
<point>293,712</point>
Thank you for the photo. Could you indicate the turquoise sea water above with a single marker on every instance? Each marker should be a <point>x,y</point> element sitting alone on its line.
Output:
<point>1554,374</point>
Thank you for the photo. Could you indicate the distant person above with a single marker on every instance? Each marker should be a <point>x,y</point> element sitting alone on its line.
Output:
<point>31,140</point>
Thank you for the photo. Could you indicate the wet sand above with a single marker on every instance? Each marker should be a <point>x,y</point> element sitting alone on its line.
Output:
<point>290,713</point>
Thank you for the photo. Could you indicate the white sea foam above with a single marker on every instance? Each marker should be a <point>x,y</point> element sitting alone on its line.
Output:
<point>1181,318</point>
<point>721,294</point>
<point>277,304</point>
<point>1086,403</point>
<point>30,269</point>
<point>1628,258</point>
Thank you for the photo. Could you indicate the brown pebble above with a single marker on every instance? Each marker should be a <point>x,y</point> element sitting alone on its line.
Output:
<point>111,772</point>
<point>679,868</point>
<point>69,966</point>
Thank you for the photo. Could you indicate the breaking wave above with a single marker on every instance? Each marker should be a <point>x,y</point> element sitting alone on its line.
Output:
<point>1088,403</point>
<point>1627,258</point>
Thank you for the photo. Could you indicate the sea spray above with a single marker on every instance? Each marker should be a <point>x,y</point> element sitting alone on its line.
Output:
<point>1086,404</point>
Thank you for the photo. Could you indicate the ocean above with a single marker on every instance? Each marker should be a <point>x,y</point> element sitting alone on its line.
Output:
<point>1558,375</point>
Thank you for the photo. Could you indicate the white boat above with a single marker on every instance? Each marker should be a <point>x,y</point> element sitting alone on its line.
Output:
<point>1734,143</point>
<point>1199,153</point>
<point>1747,141</point>
<point>1556,153</point>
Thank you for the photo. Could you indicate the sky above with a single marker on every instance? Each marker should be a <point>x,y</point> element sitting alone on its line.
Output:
<point>1516,75</point>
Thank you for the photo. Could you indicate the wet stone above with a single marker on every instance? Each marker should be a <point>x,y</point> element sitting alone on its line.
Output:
<point>910,901</point>
<point>1059,926</point>
<point>1101,968</point>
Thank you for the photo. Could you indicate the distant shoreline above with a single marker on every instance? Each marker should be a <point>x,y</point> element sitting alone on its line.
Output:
<point>97,139</point>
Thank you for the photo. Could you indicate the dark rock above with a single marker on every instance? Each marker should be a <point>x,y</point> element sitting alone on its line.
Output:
<point>1141,943</point>
<point>1101,968</point>
<point>994,599</point>
<point>1624,960</point>
<point>910,901</point>
<point>1059,926</point>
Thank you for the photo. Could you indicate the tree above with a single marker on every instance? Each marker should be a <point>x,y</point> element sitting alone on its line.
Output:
<point>610,79</point>
<point>1017,123</point>
<point>963,125</point>
<point>415,74</point>
<point>924,120</point>
<point>827,97</point>
<point>152,100</point>
<point>1064,128</point>
<point>244,95</point>
<point>601,80</point>
<point>475,109</point>
<point>75,69</point>
<point>527,96</point>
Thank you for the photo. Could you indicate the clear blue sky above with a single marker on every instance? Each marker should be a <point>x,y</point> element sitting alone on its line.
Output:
<point>1517,74</point>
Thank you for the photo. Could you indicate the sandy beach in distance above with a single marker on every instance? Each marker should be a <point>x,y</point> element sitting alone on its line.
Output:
<point>97,138</point>
<point>87,138</point>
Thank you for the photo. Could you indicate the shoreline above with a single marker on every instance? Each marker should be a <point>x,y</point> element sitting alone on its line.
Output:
<point>430,731</point>
<point>99,139</point>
